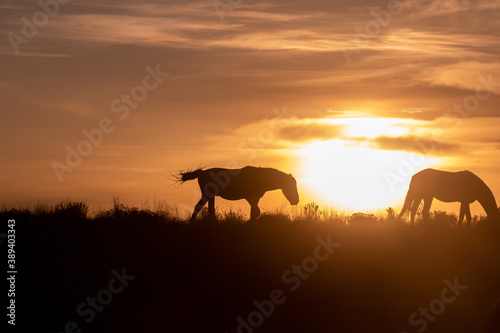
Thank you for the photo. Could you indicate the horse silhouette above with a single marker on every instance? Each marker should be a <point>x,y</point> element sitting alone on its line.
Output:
<point>463,186</point>
<point>248,183</point>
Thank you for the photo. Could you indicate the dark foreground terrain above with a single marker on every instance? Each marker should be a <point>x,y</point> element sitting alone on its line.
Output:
<point>136,271</point>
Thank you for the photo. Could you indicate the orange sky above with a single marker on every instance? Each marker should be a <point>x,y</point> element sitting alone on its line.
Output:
<point>314,88</point>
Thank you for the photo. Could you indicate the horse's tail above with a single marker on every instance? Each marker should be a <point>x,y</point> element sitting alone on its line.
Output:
<point>408,201</point>
<point>189,175</point>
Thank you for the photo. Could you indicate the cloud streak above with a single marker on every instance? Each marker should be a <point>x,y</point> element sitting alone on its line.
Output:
<point>421,145</point>
<point>309,130</point>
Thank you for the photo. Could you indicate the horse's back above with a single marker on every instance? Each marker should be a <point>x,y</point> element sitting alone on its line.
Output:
<point>433,176</point>
<point>447,186</point>
<point>232,184</point>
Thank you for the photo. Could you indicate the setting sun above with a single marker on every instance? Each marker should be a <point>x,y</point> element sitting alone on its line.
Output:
<point>353,175</point>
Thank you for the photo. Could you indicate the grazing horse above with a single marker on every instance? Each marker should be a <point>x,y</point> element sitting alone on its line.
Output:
<point>248,183</point>
<point>463,186</point>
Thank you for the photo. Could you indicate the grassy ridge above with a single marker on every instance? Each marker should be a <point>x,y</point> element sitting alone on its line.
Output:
<point>203,276</point>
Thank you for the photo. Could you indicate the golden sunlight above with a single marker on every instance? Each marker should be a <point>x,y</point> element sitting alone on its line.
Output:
<point>353,175</point>
<point>371,127</point>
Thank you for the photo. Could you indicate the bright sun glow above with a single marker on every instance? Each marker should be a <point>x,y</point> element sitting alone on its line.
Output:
<point>354,177</point>
<point>372,127</point>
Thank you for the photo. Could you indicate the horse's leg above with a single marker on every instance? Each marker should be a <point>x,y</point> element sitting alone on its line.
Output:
<point>254,212</point>
<point>462,214</point>
<point>198,207</point>
<point>414,208</point>
<point>427,208</point>
<point>254,208</point>
<point>211,207</point>
<point>407,204</point>
<point>467,214</point>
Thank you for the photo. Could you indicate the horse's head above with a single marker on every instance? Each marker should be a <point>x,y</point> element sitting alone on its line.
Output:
<point>290,190</point>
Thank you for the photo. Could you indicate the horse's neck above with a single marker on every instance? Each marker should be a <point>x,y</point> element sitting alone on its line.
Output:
<point>487,200</point>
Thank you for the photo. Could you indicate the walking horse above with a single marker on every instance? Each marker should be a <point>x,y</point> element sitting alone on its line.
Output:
<point>249,183</point>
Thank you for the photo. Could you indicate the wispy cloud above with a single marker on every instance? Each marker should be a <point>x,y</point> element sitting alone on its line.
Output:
<point>432,8</point>
<point>462,75</point>
<point>414,144</point>
<point>310,130</point>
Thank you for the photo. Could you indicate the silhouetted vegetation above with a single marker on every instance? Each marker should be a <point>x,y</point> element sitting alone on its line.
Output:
<point>202,276</point>
<point>71,209</point>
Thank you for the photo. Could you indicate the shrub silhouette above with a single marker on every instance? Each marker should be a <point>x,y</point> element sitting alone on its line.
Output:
<point>71,209</point>
<point>311,209</point>
<point>362,219</point>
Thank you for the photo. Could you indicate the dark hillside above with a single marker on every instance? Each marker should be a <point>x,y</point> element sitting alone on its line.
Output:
<point>274,275</point>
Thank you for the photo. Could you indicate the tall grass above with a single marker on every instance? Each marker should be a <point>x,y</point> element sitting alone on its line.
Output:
<point>161,210</point>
